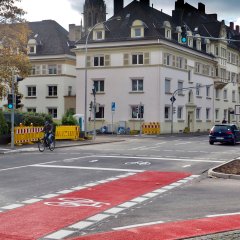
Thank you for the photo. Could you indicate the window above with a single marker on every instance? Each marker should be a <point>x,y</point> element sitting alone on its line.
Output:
<point>180,112</point>
<point>198,85</point>
<point>53,112</point>
<point>180,87</point>
<point>98,61</point>
<point>225,113</point>
<point>225,94</point>
<point>217,114</point>
<point>233,96</point>
<point>99,85</point>
<point>36,70</point>
<point>167,85</point>
<point>52,91</point>
<point>31,110</point>
<point>137,85</point>
<point>52,69</point>
<point>208,91</point>
<point>137,58</point>
<point>167,112</point>
<point>100,113</point>
<point>69,90</point>
<point>208,113</point>
<point>31,91</point>
<point>136,112</point>
<point>217,93</point>
<point>99,35</point>
<point>198,113</point>
<point>138,32</point>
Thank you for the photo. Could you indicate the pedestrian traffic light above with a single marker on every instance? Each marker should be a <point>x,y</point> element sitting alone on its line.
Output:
<point>184,35</point>
<point>141,109</point>
<point>18,101</point>
<point>10,101</point>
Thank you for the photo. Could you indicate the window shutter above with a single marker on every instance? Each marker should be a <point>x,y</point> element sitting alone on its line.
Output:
<point>125,59</point>
<point>88,61</point>
<point>44,69</point>
<point>59,69</point>
<point>107,60</point>
<point>146,58</point>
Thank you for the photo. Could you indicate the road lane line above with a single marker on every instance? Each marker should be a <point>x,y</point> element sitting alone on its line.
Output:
<point>224,214</point>
<point>87,168</point>
<point>137,225</point>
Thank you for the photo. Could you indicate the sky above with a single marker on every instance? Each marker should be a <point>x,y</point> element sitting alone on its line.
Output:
<point>67,12</point>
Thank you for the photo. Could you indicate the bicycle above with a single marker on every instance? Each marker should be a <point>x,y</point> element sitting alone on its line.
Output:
<point>44,143</point>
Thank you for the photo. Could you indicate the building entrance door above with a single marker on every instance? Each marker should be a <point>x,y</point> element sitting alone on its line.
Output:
<point>190,121</point>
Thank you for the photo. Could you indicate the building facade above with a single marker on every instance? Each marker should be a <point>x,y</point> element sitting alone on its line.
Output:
<point>140,60</point>
<point>50,87</point>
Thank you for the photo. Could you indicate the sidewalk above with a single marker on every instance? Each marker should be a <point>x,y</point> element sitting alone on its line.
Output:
<point>6,149</point>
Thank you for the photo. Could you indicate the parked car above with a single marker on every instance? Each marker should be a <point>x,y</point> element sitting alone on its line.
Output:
<point>224,133</point>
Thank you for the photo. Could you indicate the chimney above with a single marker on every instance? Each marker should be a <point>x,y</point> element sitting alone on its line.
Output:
<point>201,7</point>
<point>237,28</point>
<point>232,25</point>
<point>118,6</point>
<point>146,2</point>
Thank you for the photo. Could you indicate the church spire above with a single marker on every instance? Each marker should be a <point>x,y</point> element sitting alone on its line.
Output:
<point>94,11</point>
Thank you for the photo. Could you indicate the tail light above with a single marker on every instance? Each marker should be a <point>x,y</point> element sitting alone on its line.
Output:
<point>229,132</point>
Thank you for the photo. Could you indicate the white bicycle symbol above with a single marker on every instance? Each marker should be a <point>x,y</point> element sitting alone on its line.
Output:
<point>76,202</point>
<point>138,163</point>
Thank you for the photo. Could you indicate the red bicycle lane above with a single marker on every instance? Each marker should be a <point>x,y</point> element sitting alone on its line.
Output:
<point>171,230</point>
<point>42,218</point>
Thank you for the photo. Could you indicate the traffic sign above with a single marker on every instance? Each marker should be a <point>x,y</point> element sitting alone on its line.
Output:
<point>172,99</point>
<point>113,106</point>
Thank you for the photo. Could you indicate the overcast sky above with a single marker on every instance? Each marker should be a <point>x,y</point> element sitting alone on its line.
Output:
<point>66,12</point>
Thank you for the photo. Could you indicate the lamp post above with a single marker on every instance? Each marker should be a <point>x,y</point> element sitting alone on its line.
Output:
<point>86,72</point>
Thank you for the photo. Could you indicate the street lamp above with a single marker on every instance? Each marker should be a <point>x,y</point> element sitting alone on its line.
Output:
<point>86,51</point>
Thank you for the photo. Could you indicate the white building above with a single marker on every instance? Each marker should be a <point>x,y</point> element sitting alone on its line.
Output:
<point>141,60</point>
<point>51,85</point>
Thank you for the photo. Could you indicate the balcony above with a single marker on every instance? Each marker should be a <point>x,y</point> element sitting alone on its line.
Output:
<point>220,83</point>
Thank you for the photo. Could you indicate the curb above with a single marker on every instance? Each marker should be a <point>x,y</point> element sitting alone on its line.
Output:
<point>213,173</point>
<point>32,149</point>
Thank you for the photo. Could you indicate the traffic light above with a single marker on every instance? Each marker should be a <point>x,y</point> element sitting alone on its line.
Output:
<point>10,101</point>
<point>137,109</point>
<point>90,106</point>
<point>184,35</point>
<point>18,101</point>
<point>18,78</point>
<point>141,110</point>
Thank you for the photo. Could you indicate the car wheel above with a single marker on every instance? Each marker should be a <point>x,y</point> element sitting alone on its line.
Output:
<point>211,142</point>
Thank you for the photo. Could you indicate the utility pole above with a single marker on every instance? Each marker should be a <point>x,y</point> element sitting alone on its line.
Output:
<point>12,110</point>
<point>94,112</point>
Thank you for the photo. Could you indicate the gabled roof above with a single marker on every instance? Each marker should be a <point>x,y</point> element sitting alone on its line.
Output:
<point>51,37</point>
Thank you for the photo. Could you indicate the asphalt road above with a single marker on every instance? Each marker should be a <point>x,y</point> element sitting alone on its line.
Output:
<point>33,175</point>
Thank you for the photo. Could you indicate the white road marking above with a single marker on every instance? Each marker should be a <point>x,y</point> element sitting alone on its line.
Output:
<point>81,225</point>
<point>12,206</point>
<point>60,234</point>
<point>182,143</point>
<point>87,168</point>
<point>138,225</point>
<point>187,166</point>
<point>157,158</point>
<point>224,214</point>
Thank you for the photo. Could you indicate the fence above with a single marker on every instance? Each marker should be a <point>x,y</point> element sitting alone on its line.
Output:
<point>24,135</point>
<point>151,128</point>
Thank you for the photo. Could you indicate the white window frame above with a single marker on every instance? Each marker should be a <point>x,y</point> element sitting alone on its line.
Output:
<point>139,85</point>
<point>180,112</point>
<point>52,91</point>
<point>137,59</point>
<point>53,112</point>
<point>99,85</point>
<point>198,113</point>
<point>167,112</point>
<point>167,85</point>
<point>31,91</point>
<point>98,61</point>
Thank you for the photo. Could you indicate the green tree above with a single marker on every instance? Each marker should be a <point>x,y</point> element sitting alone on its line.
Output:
<point>14,33</point>
<point>68,118</point>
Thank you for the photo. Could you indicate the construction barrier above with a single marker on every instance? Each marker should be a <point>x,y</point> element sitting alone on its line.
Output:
<point>151,128</point>
<point>26,135</point>
<point>67,132</point>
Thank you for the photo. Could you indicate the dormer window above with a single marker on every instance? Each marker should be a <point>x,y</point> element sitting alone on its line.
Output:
<point>137,29</point>
<point>190,38</point>
<point>32,46</point>
<point>167,27</point>
<point>99,32</point>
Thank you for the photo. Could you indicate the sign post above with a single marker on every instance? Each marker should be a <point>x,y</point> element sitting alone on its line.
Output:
<point>113,108</point>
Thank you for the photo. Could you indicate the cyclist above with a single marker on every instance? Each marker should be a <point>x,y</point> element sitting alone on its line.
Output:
<point>48,131</point>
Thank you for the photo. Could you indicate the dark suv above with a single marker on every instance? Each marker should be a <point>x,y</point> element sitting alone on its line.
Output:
<point>224,133</point>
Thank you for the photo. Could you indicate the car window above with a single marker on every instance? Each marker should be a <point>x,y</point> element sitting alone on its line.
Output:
<point>222,128</point>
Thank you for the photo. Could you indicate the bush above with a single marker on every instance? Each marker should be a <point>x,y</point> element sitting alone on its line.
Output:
<point>68,119</point>
<point>4,127</point>
<point>37,119</point>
